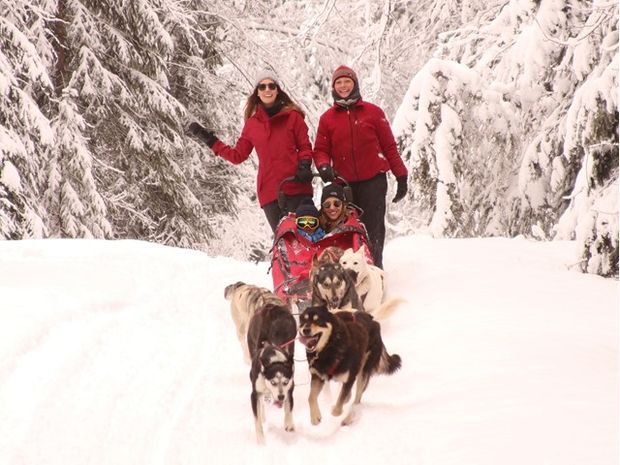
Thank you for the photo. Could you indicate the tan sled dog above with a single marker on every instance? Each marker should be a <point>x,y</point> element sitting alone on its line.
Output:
<point>245,300</point>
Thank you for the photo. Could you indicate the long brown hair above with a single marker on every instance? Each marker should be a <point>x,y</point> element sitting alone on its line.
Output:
<point>328,224</point>
<point>283,98</point>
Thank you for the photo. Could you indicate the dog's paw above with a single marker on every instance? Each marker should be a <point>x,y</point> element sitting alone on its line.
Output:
<point>351,416</point>
<point>315,413</point>
<point>337,410</point>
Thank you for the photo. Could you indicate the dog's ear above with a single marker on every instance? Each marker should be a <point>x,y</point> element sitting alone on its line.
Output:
<point>362,249</point>
<point>352,274</point>
<point>315,260</point>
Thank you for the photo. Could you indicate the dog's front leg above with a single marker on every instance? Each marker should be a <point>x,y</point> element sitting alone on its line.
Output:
<point>315,389</point>
<point>289,424</point>
<point>345,395</point>
<point>256,400</point>
<point>360,386</point>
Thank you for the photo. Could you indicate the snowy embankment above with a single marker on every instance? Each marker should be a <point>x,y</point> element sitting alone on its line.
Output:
<point>125,353</point>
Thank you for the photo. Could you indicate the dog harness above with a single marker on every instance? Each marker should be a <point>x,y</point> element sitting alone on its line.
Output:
<point>332,369</point>
<point>284,345</point>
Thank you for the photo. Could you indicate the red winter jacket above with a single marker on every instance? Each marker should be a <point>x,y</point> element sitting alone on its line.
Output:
<point>280,142</point>
<point>358,143</point>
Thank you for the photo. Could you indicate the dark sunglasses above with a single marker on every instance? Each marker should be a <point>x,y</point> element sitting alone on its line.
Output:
<point>334,203</point>
<point>270,86</point>
<point>307,222</point>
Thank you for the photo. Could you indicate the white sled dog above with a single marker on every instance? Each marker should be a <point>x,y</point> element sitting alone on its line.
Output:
<point>369,279</point>
<point>245,300</point>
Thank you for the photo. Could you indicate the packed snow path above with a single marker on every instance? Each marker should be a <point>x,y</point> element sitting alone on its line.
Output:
<point>125,353</point>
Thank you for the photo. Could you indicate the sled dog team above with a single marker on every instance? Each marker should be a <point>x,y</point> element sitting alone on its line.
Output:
<point>340,331</point>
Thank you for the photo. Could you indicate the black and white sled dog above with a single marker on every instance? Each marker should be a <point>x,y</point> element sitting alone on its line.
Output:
<point>334,287</point>
<point>271,341</point>
<point>245,299</point>
<point>345,347</point>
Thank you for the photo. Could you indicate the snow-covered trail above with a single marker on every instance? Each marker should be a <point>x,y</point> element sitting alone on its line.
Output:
<point>125,352</point>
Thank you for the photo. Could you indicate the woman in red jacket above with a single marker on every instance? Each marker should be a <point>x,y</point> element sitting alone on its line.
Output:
<point>275,127</point>
<point>354,140</point>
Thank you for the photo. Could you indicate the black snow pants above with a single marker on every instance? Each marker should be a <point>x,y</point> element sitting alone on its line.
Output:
<point>370,196</point>
<point>274,214</point>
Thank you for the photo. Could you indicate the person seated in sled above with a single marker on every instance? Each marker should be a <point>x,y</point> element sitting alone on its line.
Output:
<point>334,207</point>
<point>340,221</point>
<point>307,221</point>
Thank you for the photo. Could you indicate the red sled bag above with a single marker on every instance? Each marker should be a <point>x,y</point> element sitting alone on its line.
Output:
<point>292,255</point>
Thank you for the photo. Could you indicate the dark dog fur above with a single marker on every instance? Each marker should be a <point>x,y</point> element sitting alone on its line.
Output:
<point>271,342</point>
<point>346,347</point>
<point>334,287</point>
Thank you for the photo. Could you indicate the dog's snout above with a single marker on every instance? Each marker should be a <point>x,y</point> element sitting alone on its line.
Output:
<point>281,397</point>
<point>305,331</point>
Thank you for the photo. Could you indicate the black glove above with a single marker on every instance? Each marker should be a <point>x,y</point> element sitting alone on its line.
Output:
<point>326,172</point>
<point>304,173</point>
<point>203,133</point>
<point>401,189</point>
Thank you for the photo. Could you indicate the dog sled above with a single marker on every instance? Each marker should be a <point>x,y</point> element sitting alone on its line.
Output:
<point>292,253</point>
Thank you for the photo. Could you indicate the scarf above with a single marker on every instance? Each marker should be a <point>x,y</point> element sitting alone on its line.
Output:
<point>349,101</point>
<point>315,236</point>
<point>275,109</point>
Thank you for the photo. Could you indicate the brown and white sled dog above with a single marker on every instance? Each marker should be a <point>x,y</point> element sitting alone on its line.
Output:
<point>369,279</point>
<point>345,347</point>
<point>271,340</point>
<point>329,254</point>
<point>245,299</point>
<point>334,287</point>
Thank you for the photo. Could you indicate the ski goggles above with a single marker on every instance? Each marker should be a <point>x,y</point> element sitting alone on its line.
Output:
<point>329,203</point>
<point>309,223</point>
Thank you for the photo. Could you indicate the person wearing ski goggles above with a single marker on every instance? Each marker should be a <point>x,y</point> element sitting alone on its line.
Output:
<point>307,221</point>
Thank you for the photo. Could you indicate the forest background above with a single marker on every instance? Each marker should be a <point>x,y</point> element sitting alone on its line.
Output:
<point>506,114</point>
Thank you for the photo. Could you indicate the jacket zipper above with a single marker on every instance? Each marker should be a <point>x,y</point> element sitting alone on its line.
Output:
<point>353,155</point>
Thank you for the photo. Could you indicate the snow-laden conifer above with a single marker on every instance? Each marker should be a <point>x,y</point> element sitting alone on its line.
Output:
<point>25,132</point>
<point>541,107</point>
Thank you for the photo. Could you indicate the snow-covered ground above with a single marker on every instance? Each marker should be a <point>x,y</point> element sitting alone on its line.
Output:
<point>125,353</point>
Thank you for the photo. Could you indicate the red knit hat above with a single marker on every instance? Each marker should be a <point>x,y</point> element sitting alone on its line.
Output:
<point>343,71</point>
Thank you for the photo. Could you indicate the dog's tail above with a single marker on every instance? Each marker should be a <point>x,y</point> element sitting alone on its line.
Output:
<point>389,363</point>
<point>386,309</point>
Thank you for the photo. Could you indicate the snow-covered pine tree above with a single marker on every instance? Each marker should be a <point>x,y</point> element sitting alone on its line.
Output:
<point>540,105</point>
<point>591,146</point>
<point>457,174</point>
<point>93,116</point>
<point>113,64</point>
<point>25,133</point>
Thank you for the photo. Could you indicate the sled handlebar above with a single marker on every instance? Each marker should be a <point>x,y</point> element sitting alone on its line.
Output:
<point>348,194</point>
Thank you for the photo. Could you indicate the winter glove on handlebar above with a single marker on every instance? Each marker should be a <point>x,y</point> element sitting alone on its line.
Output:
<point>401,189</point>
<point>304,173</point>
<point>203,133</point>
<point>326,172</point>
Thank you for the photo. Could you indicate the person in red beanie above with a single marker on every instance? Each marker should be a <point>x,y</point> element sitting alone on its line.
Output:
<point>275,127</point>
<point>355,141</point>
